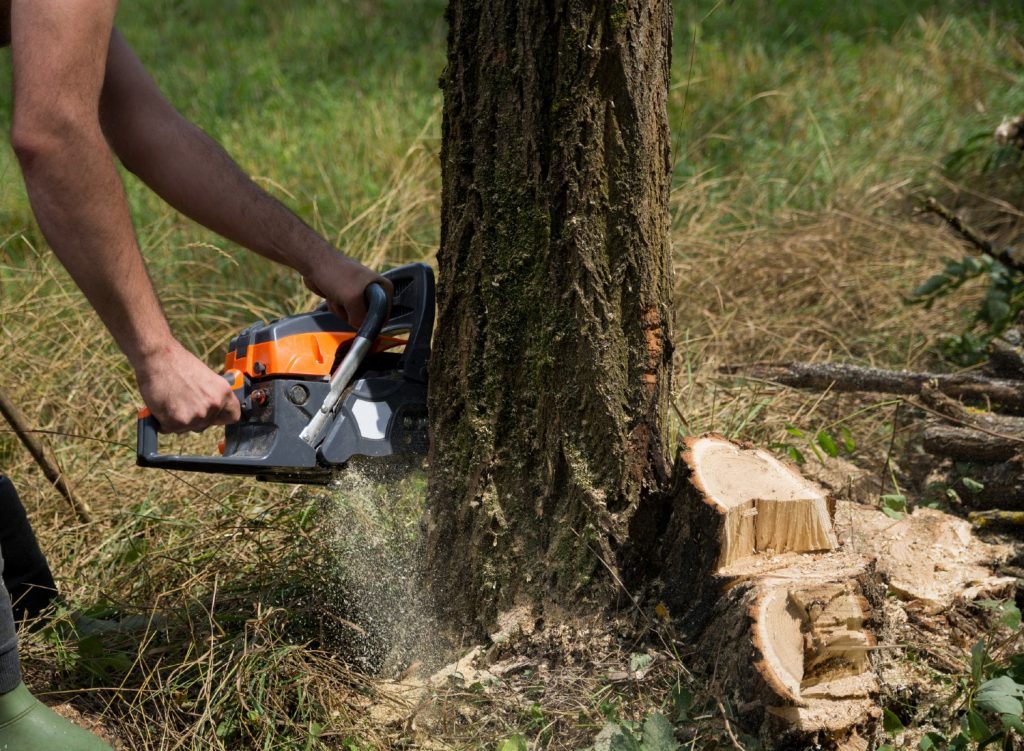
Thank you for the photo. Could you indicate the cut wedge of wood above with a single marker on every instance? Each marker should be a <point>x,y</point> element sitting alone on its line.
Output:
<point>764,505</point>
<point>779,613</point>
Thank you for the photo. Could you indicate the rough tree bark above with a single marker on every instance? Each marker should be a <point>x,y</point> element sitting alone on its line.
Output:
<point>550,373</point>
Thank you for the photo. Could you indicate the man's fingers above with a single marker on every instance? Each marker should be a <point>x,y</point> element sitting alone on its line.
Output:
<point>355,312</point>
<point>230,413</point>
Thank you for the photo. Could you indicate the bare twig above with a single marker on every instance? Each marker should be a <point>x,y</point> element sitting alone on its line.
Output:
<point>728,726</point>
<point>888,454</point>
<point>19,425</point>
<point>971,235</point>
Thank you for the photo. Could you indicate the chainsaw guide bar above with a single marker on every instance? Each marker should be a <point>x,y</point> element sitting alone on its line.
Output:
<point>315,392</point>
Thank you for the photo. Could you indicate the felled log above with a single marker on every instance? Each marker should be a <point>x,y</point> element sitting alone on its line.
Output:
<point>969,444</point>
<point>970,417</point>
<point>1006,355</point>
<point>779,614</point>
<point>996,518</point>
<point>1007,393</point>
<point>991,486</point>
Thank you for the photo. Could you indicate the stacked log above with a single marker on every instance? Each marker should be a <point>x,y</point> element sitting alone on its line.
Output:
<point>974,423</point>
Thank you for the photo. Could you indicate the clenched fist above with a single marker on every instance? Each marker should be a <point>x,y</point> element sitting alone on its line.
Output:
<point>342,283</point>
<point>183,394</point>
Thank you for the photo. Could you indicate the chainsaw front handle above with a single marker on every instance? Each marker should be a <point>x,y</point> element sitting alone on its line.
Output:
<point>376,314</point>
<point>377,304</point>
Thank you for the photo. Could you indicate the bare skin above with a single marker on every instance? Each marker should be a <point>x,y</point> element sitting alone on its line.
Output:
<point>79,91</point>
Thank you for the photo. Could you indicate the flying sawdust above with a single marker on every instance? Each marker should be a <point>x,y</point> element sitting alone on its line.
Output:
<point>372,529</point>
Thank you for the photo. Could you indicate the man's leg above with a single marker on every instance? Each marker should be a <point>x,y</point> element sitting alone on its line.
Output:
<point>25,723</point>
<point>10,671</point>
<point>26,575</point>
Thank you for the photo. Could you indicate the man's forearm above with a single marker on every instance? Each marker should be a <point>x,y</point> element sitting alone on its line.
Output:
<point>194,174</point>
<point>190,171</point>
<point>79,202</point>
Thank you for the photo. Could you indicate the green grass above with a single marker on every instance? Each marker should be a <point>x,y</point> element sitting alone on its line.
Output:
<point>809,101</point>
<point>799,129</point>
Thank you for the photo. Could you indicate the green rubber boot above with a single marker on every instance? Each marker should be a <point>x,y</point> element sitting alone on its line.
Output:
<point>26,724</point>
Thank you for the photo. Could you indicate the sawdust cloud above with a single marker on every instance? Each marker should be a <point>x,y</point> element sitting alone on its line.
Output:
<point>372,529</point>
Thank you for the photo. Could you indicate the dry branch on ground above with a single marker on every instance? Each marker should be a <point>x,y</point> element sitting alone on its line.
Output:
<point>850,378</point>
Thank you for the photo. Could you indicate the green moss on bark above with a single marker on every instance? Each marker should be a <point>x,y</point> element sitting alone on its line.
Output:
<point>550,375</point>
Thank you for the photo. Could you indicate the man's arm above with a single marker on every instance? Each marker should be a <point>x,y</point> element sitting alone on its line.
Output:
<point>190,171</point>
<point>59,52</point>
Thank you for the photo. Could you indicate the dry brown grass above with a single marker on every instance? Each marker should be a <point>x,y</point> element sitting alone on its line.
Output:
<point>248,648</point>
<point>254,600</point>
<point>247,591</point>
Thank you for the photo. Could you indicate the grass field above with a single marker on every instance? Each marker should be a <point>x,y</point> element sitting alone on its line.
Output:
<point>803,133</point>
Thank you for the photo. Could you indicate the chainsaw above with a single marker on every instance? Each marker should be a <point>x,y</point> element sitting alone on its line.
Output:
<point>315,392</point>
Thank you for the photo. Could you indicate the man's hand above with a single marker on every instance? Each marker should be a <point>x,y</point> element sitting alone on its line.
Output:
<point>183,394</point>
<point>342,283</point>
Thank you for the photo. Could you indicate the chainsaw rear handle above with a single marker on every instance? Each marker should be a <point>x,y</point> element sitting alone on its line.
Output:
<point>149,428</point>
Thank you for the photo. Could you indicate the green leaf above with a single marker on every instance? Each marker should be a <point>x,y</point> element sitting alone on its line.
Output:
<point>827,443</point>
<point>972,485</point>
<point>979,655</point>
<point>658,734</point>
<point>996,309</point>
<point>1010,722</point>
<point>892,724</point>
<point>977,728</point>
<point>932,741</point>
<point>932,285</point>
<point>1016,669</point>
<point>616,737</point>
<point>961,741</point>
<point>848,443</point>
<point>1010,616</point>
<point>1000,695</point>
<point>682,701</point>
<point>513,743</point>
<point>794,453</point>
<point>973,265</point>
<point>895,501</point>
<point>893,505</point>
<point>794,431</point>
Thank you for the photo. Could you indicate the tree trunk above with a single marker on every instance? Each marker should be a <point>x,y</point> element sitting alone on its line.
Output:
<point>550,373</point>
